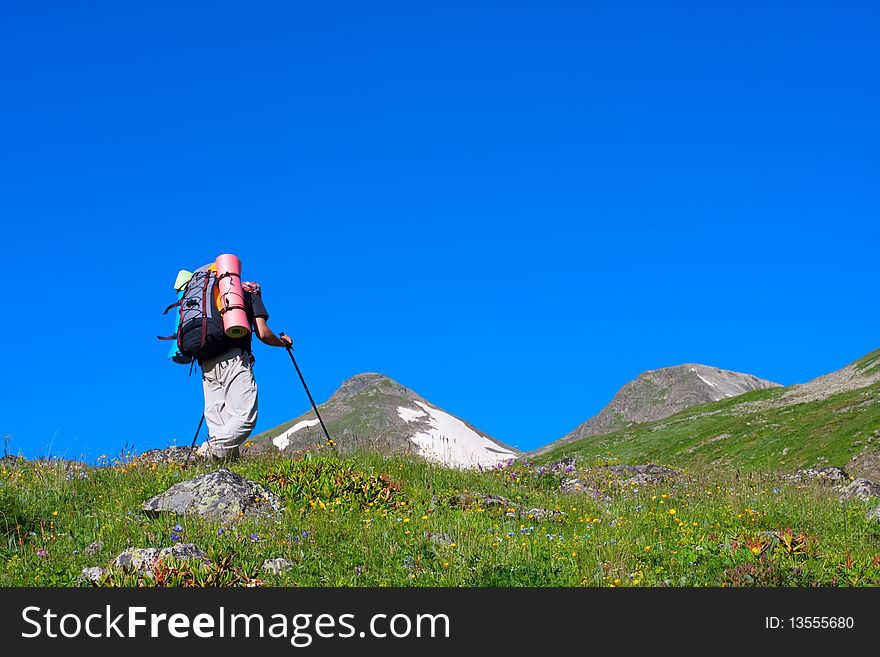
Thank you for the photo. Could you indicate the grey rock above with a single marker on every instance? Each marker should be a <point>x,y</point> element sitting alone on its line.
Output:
<point>92,574</point>
<point>579,485</point>
<point>620,476</point>
<point>539,514</point>
<point>830,474</point>
<point>173,454</point>
<point>568,464</point>
<point>866,463</point>
<point>874,515</point>
<point>572,485</point>
<point>862,489</point>
<point>93,548</point>
<point>220,495</point>
<point>648,473</point>
<point>439,539</point>
<point>144,560</point>
<point>469,500</point>
<point>562,466</point>
<point>482,499</point>
<point>140,560</point>
<point>277,566</point>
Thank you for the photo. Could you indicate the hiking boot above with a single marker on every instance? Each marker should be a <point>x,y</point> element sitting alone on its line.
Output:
<point>231,456</point>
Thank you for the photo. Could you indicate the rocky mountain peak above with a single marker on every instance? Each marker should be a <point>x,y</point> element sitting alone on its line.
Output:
<point>365,381</point>
<point>656,394</point>
<point>371,410</point>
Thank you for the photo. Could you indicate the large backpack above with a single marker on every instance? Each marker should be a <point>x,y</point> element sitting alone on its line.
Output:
<point>199,326</point>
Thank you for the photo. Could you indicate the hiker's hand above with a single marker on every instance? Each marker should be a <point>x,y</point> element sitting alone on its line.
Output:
<point>286,341</point>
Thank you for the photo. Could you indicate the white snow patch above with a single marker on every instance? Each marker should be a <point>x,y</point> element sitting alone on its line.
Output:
<point>706,381</point>
<point>451,442</point>
<point>410,414</point>
<point>282,440</point>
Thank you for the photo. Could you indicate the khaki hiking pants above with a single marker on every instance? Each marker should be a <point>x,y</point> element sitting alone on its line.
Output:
<point>230,401</point>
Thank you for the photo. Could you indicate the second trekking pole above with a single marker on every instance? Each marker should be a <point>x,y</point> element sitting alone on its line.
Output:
<point>195,438</point>
<point>289,348</point>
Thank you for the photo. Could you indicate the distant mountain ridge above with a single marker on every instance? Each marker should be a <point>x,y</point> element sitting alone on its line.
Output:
<point>370,410</point>
<point>832,420</point>
<point>656,394</point>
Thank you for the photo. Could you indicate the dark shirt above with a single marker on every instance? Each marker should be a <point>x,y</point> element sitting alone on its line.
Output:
<point>254,307</point>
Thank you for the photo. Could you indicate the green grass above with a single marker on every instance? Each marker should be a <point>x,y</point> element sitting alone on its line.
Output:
<point>376,521</point>
<point>736,433</point>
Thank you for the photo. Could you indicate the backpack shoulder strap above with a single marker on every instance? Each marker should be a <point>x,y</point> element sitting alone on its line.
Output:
<point>173,305</point>
<point>207,289</point>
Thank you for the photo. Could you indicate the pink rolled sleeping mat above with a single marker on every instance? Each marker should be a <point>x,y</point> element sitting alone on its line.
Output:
<point>231,302</point>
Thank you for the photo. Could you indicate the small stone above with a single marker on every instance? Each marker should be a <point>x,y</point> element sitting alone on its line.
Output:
<point>648,473</point>
<point>92,574</point>
<point>565,465</point>
<point>174,454</point>
<point>539,515</point>
<point>277,566</point>
<point>828,473</point>
<point>468,500</point>
<point>144,560</point>
<point>93,548</point>
<point>439,539</point>
<point>572,485</point>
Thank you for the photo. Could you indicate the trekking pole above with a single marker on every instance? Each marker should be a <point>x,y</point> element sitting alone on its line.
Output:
<point>289,348</point>
<point>195,438</point>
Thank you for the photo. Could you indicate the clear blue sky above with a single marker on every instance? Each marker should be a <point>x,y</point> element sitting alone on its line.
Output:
<point>511,208</point>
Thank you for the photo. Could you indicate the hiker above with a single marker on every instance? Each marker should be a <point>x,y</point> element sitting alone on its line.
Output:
<point>229,385</point>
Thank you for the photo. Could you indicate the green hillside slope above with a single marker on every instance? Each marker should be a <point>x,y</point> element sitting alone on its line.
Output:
<point>761,430</point>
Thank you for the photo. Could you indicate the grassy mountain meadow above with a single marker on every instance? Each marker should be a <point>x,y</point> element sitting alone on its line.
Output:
<point>734,516</point>
<point>375,521</point>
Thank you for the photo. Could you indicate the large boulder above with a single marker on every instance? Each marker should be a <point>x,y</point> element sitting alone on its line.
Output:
<point>222,495</point>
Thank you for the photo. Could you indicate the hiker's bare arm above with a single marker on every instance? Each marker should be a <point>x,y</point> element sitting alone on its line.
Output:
<point>268,337</point>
